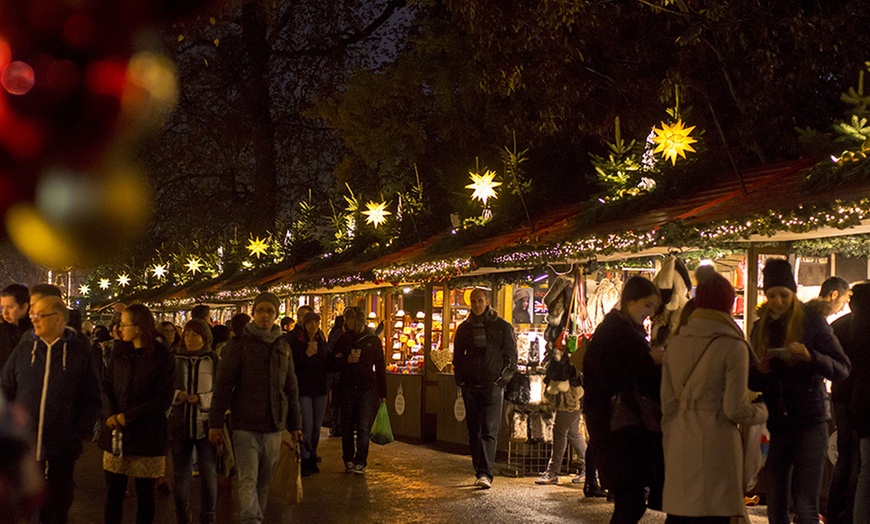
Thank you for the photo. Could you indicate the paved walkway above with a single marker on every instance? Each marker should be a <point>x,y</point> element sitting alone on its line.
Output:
<point>404,484</point>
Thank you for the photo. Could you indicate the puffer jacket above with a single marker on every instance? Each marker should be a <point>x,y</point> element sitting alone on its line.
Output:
<point>795,394</point>
<point>494,364</point>
<point>62,412</point>
<point>367,374</point>
<point>139,385</point>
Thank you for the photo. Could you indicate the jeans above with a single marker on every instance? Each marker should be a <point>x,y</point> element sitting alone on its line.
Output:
<point>566,429</point>
<point>313,409</point>
<point>59,490</point>
<point>358,410</point>
<point>862,492</point>
<point>116,489</point>
<point>182,461</point>
<point>483,416</point>
<point>794,466</point>
<point>845,476</point>
<point>256,455</point>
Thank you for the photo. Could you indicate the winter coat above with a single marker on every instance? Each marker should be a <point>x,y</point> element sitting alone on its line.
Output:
<point>11,335</point>
<point>369,374</point>
<point>310,370</point>
<point>70,402</point>
<point>140,386</point>
<point>700,413</point>
<point>257,382</point>
<point>854,335</point>
<point>618,360</point>
<point>495,363</point>
<point>795,393</point>
<point>195,374</point>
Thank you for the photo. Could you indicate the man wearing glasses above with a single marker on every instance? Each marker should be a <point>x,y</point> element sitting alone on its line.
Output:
<point>52,376</point>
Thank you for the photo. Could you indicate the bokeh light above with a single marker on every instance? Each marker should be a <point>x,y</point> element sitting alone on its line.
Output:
<point>17,78</point>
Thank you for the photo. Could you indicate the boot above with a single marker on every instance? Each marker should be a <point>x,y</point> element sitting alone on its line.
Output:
<point>307,467</point>
<point>591,488</point>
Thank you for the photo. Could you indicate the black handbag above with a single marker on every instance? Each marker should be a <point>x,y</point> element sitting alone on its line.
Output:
<point>518,390</point>
<point>629,409</point>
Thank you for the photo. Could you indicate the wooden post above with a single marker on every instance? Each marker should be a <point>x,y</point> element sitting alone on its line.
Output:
<point>750,292</point>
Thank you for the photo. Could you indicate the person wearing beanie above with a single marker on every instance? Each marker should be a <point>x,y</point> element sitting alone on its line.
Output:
<point>310,359</point>
<point>195,369</point>
<point>796,350</point>
<point>704,397</point>
<point>257,380</point>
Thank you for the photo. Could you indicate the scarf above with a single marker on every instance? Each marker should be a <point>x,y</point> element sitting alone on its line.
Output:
<point>266,335</point>
<point>478,326</point>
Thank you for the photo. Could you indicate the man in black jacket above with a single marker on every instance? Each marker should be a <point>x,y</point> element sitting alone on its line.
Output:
<point>484,360</point>
<point>15,304</point>
<point>257,380</point>
<point>359,358</point>
<point>53,377</point>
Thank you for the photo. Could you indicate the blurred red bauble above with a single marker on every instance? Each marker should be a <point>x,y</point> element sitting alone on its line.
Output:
<point>17,78</point>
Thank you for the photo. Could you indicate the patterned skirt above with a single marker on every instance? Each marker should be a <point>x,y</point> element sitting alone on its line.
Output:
<point>138,467</point>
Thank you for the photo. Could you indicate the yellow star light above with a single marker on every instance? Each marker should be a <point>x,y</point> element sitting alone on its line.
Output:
<point>123,280</point>
<point>376,213</point>
<point>257,247</point>
<point>104,283</point>
<point>193,265</point>
<point>673,140</point>
<point>159,271</point>
<point>84,289</point>
<point>483,186</point>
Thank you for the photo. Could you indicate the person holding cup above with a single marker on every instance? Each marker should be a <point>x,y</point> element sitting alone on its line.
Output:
<point>359,358</point>
<point>310,362</point>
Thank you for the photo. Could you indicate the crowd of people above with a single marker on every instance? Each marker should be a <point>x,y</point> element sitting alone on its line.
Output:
<point>210,398</point>
<point>665,423</point>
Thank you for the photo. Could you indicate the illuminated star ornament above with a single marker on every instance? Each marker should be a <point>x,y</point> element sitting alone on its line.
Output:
<point>257,247</point>
<point>193,265</point>
<point>104,283</point>
<point>483,185</point>
<point>673,140</point>
<point>159,271</point>
<point>123,280</point>
<point>84,289</point>
<point>376,213</point>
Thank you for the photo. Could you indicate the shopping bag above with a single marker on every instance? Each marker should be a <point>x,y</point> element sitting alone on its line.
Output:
<point>756,442</point>
<point>382,433</point>
<point>287,475</point>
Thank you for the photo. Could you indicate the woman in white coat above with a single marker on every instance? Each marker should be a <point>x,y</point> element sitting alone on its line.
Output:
<point>704,396</point>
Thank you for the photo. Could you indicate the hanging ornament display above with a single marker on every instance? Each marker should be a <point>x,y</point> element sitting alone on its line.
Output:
<point>257,247</point>
<point>194,265</point>
<point>376,213</point>
<point>674,140</point>
<point>483,186</point>
<point>159,271</point>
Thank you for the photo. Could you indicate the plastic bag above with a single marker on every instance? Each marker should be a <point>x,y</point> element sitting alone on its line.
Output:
<point>382,433</point>
<point>756,443</point>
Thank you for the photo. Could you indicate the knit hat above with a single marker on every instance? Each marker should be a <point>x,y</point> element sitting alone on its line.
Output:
<point>777,273</point>
<point>267,297</point>
<point>715,292</point>
<point>309,317</point>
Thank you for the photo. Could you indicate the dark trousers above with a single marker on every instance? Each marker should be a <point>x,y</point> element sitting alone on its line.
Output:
<point>116,488</point>
<point>676,519</point>
<point>629,503</point>
<point>591,464</point>
<point>845,476</point>
<point>794,467</point>
<point>482,416</point>
<point>358,410</point>
<point>59,481</point>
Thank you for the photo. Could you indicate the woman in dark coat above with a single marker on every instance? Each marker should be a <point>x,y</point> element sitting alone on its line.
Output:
<point>796,350</point>
<point>310,361</point>
<point>137,392</point>
<point>618,360</point>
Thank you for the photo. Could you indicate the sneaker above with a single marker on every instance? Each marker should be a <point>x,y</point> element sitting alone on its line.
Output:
<point>359,469</point>
<point>579,479</point>
<point>547,478</point>
<point>348,467</point>
<point>483,482</point>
